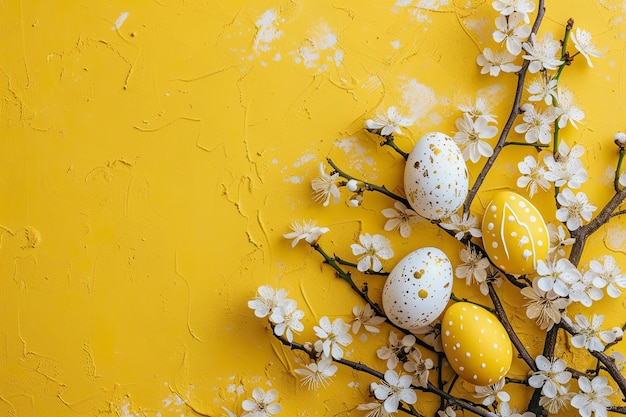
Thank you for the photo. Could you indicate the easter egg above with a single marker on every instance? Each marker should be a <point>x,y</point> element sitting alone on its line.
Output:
<point>475,343</point>
<point>435,177</point>
<point>418,288</point>
<point>515,235</point>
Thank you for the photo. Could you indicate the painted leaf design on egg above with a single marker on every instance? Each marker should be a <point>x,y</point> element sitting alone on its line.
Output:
<point>515,235</point>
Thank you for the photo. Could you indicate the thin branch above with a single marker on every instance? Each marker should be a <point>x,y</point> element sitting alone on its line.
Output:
<point>501,314</point>
<point>515,111</point>
<point>369,186</point>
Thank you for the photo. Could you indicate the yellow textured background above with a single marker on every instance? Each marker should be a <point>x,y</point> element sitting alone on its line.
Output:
<point>150,165</point>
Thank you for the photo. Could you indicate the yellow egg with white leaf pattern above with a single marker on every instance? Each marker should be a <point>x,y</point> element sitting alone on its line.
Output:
<point>515,235</point>
<point>475,343</point>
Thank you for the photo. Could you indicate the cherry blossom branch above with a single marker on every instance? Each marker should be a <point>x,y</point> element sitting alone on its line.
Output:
<point>368,186</point>
<point>582,233</point>
<point>346,276</point>
<point>353,265</point>
<point>515,111</point>
<point>389,141</point>
<point>360,367</point>
<point>502,317</point>
<point>606,360</point>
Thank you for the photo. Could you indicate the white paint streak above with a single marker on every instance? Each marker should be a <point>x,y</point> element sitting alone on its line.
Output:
<point>320,45</point>
<point>267,31</point>
<point>294,179</point>
<point>615,239</point>
<point>120,20</point>
<point>418,98</point>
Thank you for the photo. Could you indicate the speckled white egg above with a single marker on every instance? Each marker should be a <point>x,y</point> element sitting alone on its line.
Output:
<point>435,177</point>
<point>475,343</point>
<point>515,235</point>
<point>418,288</point>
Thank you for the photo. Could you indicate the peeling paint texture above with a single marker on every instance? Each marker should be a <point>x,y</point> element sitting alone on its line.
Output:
<point>153,154</point>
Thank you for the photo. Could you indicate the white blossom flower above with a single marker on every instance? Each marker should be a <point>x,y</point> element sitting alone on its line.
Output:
<point>537,125</point>
<point>366,316</point>
<point>543,88</point>
<point>448,412</point>
<point>397,348</point>
<point>592,397</point>
<point>542,53</point>
<point>506,7</point>
<point>533,175</point>
<point>622,180</point>
<point>494,62</point>
<point>286,318</point>
<point>493,277</point>
<point>492,392</point>
<point>474,266</point>
<point>566,108</point>
<point>620,138</point>
<point>316,374</point>
<point>261,404</point>
<point>551,375</point>
<point>401,217</point>
<point>307,230</point>
<point>418,367</point>
<point>558,239</point>
<point>504,410</point>
<point>574,208</point>
<point>324,187</point>
<point>467,224</point>
<point>395,388</point>
<point>566,167</point>
<point>511,30</point>
<point>389,123</point>
<point>432,335</point>
<point>587,334</point>
<point>608,274</point>
<point>479,108</point>
<point>470,135</point>
<point>266,299</point>
<point>371,250</point>
<point>585,291</point>
<point>557,403</point>
<point>582,42</point>
<point>332,337</point>
<point>544,306</point>
<point>375,409</point>
<point>557,275</point>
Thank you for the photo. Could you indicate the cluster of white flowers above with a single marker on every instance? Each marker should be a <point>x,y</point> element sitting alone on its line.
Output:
<point>562,169</point>
<point>283,312</point>
<point>262,404</point>
<point>559,283</point>
<point>473,127</point>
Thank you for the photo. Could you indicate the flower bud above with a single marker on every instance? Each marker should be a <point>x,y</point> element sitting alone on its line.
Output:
<point>620,139</point>
<point>352,185</point>
<point>356,200</point>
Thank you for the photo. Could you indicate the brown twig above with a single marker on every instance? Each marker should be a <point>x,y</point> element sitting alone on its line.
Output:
<point>515,111</point>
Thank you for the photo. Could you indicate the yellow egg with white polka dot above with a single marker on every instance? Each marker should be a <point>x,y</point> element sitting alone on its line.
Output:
<point>475,343</point>
<point>515,235</point>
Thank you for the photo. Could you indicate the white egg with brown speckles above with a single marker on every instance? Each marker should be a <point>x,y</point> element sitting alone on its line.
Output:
<point>418,288</point>
<point>435,177</point>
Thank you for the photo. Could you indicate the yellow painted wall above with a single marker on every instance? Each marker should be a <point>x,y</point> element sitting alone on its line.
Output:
<point>153,153</point>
